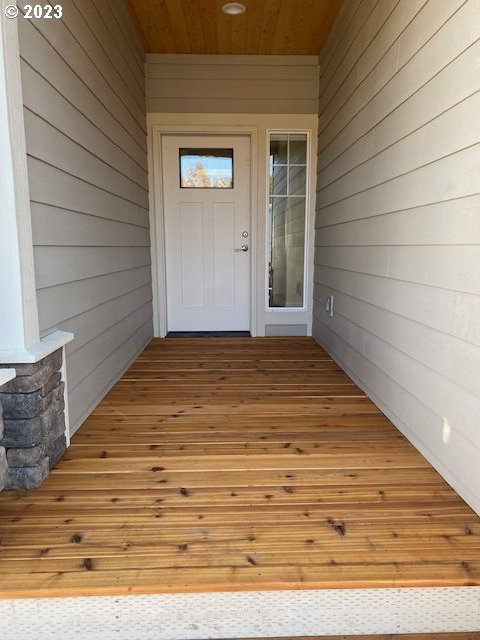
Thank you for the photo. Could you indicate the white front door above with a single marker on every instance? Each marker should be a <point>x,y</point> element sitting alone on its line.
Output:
<point>206,184</point>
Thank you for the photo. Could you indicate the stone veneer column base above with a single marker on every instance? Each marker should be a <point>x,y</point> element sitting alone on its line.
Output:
<point>33,435</point>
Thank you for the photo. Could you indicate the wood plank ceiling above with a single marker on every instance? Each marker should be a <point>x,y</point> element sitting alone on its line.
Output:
<point>280,27</point>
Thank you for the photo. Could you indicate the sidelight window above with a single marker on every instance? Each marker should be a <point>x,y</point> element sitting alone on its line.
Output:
<point>287,220</point>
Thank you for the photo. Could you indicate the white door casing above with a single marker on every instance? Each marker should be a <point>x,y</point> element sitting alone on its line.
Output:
<point>208,273</point>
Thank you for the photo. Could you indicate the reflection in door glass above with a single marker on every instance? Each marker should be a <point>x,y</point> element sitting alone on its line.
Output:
<point>206,168</point>
<point>287,211</point>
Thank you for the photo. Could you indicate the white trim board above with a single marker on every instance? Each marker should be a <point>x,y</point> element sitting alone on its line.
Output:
<point>257,127</point>
<point>44,347</point>
<point>19,317</point>
<point>237,59</point>
<point>267,614</point>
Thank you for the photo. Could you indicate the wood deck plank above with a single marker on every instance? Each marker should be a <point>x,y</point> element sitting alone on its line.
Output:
<point>236,464</point>
<point>90,581</point>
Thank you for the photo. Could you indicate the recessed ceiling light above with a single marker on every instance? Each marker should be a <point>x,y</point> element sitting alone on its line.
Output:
<point>234,8</point>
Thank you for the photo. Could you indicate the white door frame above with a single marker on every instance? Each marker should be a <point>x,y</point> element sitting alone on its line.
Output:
<point>157,221</point>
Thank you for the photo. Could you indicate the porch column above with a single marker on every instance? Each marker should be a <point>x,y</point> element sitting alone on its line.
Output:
<point>19,314</point>
<point>34,429</point>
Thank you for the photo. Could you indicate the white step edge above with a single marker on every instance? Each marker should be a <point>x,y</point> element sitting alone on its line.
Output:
<point>268,614</point>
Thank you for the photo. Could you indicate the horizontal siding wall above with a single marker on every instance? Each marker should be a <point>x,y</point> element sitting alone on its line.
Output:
<point>231,84</point>
<point>398,219</point>
<point>85,120</point>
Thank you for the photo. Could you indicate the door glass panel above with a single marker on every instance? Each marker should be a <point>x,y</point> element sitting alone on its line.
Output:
<point>206,168</point>
<point>287,216</point>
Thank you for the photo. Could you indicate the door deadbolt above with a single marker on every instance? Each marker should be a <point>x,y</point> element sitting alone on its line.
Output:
<point>245,234</point>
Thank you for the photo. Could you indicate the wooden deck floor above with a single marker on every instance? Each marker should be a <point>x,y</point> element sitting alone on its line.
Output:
<point>236,464</point>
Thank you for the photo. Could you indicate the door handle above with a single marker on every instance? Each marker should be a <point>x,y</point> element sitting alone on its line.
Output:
<point>244,247</point>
